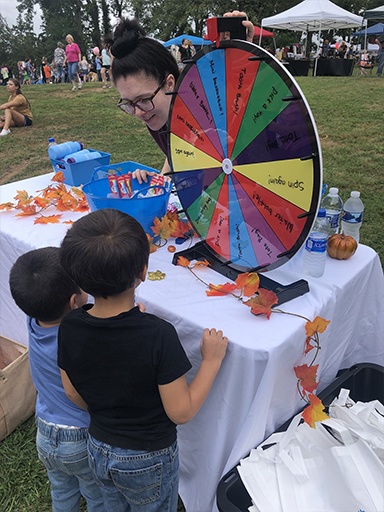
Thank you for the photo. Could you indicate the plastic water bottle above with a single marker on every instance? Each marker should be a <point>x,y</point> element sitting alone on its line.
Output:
<point>58,151</point>
<point>81,156</point>
<point>316,246</point>
<point>352,216</point>
<point>52,142</point>
<point>333,205</point>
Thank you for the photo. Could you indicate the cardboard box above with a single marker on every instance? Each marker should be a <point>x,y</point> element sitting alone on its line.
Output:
<point>17,392</point>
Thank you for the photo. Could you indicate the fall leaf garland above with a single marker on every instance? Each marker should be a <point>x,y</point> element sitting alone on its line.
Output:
<point>58,196</point>
<point>261,302</point>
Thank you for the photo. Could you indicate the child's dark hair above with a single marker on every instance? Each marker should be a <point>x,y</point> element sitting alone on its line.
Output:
<point>134,53</point>
<point>40,286</point>
<point>104,252</point>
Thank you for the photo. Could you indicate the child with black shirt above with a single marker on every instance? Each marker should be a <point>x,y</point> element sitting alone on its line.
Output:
<point>128,367</point>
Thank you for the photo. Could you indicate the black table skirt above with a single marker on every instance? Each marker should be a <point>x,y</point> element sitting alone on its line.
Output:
<point>297,67</point>
<point>334,67</point>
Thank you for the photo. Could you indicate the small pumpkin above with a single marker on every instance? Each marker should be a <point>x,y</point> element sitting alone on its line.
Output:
<point>341,247</point>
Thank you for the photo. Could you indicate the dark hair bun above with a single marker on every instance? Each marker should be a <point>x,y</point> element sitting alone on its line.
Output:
<point>126,37</point>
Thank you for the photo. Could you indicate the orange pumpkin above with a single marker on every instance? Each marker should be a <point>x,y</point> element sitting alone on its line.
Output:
<point>341,247</point>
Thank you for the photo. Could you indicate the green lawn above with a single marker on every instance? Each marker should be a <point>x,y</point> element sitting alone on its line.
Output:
<point>349,114</point>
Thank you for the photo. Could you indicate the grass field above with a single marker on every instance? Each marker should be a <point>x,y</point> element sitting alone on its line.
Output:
<point>349,114</point>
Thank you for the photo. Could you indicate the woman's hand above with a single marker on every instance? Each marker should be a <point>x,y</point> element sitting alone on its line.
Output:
<point>247,24</point>
<point>142,176</point>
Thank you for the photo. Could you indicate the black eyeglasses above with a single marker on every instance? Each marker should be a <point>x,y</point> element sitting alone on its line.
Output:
<point>145,104</point>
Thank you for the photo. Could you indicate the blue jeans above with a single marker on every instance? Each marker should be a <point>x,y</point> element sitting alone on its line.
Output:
<point>136,481</point>
<point>73,68</point>
<point>63,451</point>
<point>380,62</point>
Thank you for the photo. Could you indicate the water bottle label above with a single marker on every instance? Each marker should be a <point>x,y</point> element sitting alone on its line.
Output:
<point>333,219</point>
<point>317,245</point>
<point>352,217</point>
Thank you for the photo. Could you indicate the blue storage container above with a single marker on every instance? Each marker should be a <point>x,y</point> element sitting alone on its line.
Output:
<point>144,209</point>
<point>79,173</point>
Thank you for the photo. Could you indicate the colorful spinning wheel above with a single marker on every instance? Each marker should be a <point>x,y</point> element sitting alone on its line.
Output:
<point>245,155</point>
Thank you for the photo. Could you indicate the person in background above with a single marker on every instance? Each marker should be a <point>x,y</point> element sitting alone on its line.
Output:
<point>73,60</point>
<point>185,51</point>
<point>43,64</point>
<point>380,41</point>
<point>20,71</point>
<point>17,110</point>
<point>47,73</point>
<point>85,68</point>
<point>144,71</point>
<point>4,74</point>
<point>127,366</point>
<point>45,293</point>
<point>325,49</point>
<point>59,60</point>
<point>106,61</point>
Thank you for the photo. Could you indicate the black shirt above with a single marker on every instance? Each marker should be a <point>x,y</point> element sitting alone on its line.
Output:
<point>116,365</point>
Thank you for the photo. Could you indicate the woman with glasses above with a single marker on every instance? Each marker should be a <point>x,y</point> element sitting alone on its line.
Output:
<point>145,72</point>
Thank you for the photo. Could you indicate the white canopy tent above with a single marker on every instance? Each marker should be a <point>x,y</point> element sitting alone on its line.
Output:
<point>375,14</point>
<point>314,16</point>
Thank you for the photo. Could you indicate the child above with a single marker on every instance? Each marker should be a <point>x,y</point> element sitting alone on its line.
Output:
<point>129,367</point>
<point>42,289</point>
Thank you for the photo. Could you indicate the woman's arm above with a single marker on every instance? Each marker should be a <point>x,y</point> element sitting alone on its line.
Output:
<point>71,392</point>
<point>9,104</point>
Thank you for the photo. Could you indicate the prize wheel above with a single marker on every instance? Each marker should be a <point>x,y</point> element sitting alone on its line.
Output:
<point>245,155</point>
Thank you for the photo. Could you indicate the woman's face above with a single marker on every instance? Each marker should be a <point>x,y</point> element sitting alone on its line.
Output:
<point>137,87</point>
<point>11,86</point>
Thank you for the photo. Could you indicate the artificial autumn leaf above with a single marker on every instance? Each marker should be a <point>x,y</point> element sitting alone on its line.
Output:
<point>179,228</point>
<point>22,197</point>
<point>66,202</point>
<point>314,412</point>
<point>77,192</point>
<point>318,325</point>
<point>248,283</point>
<point>162,228</point>
<point>220,289</point>
<point>308,346</point>
<point>152,246</point>
<point>26,210</point>
<point>6,206</point>
<point>183,262</point>
<point>261,304</point>
<point>67,221</point>
<point>82,206</point>
<point>307,376</point>
<point>201,263</point>
<point>59,176</point>
<point>41,202</point>
<point>50,219</point>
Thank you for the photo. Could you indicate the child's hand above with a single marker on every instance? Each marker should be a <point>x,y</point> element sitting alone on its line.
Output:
<point>141,175</point>
<point>213,345</point>
<point>141,307</point>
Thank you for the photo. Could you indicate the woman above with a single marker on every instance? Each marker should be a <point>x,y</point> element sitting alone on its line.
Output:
<point>106,62</point>
<point>59,59</point>
<point>73,61</point>
<point>17,110</point>
<point>144,72</point>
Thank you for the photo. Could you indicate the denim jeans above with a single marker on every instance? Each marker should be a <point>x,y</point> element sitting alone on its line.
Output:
<point>73,68</point>
<point>136,481</point>
<point>63,451</point>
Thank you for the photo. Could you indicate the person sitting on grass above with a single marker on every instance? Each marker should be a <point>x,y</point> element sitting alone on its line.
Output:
<point>17,110</point>
<point>127,366</point>
<point>44,292</point>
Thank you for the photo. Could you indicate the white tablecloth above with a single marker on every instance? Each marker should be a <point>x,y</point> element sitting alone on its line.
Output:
<point>255,391</point>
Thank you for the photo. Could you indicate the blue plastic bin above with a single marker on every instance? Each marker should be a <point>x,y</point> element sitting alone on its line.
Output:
<point>145,209</point>
<point>81,172</point>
